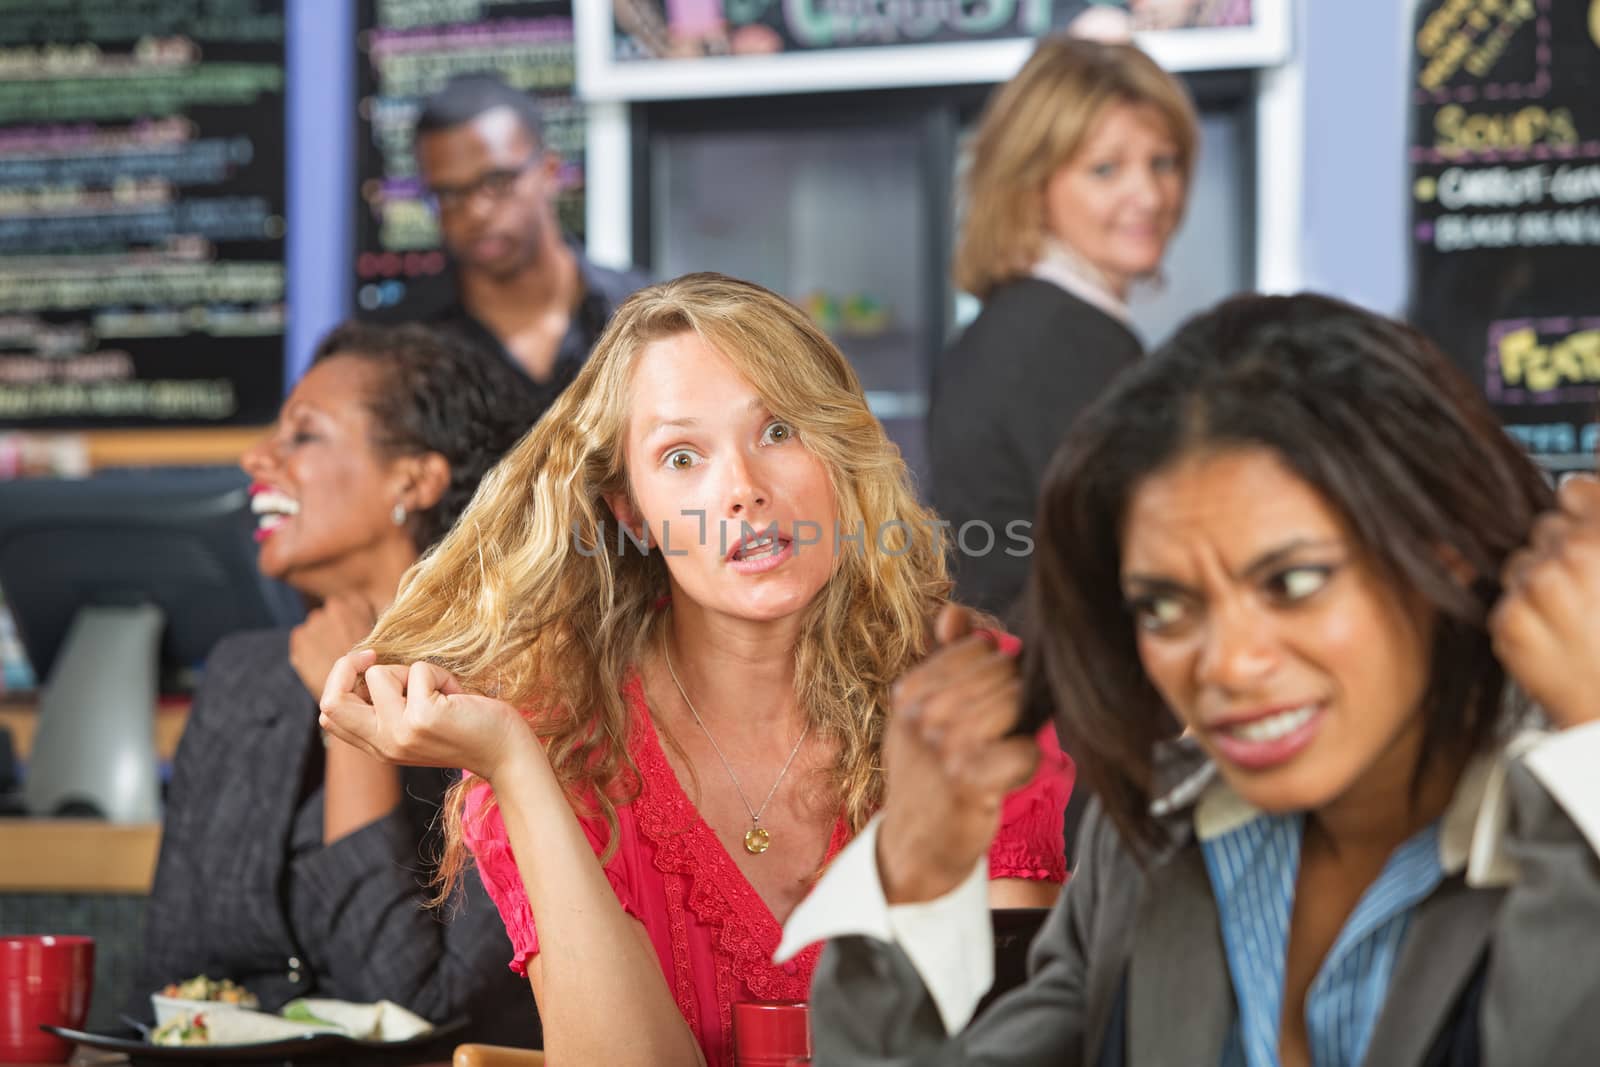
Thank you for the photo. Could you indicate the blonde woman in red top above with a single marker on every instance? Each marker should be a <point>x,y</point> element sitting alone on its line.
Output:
<point>662,640</point>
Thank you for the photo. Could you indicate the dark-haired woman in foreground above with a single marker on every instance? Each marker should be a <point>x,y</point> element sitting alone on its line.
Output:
<point>292,863</point>
<point>1287,533</point>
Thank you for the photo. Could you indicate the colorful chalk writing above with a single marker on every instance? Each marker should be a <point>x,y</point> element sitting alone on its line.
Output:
<point>1505,209</point>
<point>1470,49</point>
<point>141,212</point>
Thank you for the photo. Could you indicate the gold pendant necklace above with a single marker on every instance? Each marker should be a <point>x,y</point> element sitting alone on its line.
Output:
<point>758,838</point>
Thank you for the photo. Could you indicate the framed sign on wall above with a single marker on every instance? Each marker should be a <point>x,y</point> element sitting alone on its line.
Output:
<point>666,49</point>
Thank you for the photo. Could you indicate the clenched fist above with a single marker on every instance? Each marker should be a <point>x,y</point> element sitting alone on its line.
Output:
<point>1546,627</point>
<point>949,761</point>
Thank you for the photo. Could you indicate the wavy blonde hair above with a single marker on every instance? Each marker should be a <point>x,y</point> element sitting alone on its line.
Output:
<point>511,606</point>
<point>1032,125</point>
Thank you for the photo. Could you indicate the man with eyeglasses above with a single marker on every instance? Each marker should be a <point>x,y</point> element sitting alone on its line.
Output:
<point>520,287</point>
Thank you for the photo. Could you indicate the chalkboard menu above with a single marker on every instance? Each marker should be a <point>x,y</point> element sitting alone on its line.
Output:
<point>141,212</point>
<point>408,49</point>
<point>1505,230</point>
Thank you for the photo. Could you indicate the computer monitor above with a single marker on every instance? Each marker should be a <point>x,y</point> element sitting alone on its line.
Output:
<point>119,585</point>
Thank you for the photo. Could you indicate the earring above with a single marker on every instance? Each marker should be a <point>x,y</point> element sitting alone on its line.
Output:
<point>398,515</point>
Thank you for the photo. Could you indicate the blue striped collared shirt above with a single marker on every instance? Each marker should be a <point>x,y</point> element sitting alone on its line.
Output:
<point>1253,868</point>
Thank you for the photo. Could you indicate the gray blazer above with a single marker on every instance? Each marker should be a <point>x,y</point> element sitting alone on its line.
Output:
<point>1155,934</point>
<point>245,889</point>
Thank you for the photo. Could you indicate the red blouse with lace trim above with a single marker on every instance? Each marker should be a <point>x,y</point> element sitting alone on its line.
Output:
<point>711,930</point>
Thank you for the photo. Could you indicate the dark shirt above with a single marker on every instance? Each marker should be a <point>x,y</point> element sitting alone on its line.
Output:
<point>1004,396</point>
<point>437,302</point>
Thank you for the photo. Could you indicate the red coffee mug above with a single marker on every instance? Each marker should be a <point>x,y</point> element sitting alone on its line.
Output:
<point>770,1033</point>
<point>44,979</point>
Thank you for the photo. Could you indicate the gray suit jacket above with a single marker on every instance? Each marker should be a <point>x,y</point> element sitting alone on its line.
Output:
<point>244,888</point>
<point>1155,934</point>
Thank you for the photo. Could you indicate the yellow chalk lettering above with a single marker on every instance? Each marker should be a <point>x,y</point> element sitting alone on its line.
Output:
<point>1447,125</point>
<point>1517,350</point>
<point>1440,25</point>
<point>1446,62</point>
<point>1587,346</point>
<point>1563,130</point>
<point>1458,130</point>
<point>1571,360</point>
<point>1565,367</point>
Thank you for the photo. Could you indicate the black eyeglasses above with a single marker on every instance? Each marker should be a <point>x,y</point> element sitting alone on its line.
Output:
<point>495,184</point>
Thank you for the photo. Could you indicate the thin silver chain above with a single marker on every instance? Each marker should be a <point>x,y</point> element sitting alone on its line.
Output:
<point>755,813</point>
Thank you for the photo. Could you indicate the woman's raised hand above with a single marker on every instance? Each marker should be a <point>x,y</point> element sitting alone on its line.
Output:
<point>949,762</point>
<point>420,716</point>
<point>1546,628</point>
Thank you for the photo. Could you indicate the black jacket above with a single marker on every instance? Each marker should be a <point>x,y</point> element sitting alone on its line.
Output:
<point>1004,395</point>
<point>244,888</point>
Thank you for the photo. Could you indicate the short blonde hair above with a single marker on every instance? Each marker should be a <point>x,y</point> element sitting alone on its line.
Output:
<point>1036,122</point>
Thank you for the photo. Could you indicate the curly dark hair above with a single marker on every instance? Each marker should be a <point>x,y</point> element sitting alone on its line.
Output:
<point>1366,411</point>
<point>435,392</point>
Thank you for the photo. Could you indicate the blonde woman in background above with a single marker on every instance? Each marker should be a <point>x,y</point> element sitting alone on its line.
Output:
<point>668,668</point>
<point>1080,172</point>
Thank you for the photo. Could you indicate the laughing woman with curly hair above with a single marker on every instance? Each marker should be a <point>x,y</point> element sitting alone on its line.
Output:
<point>289,865</point>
